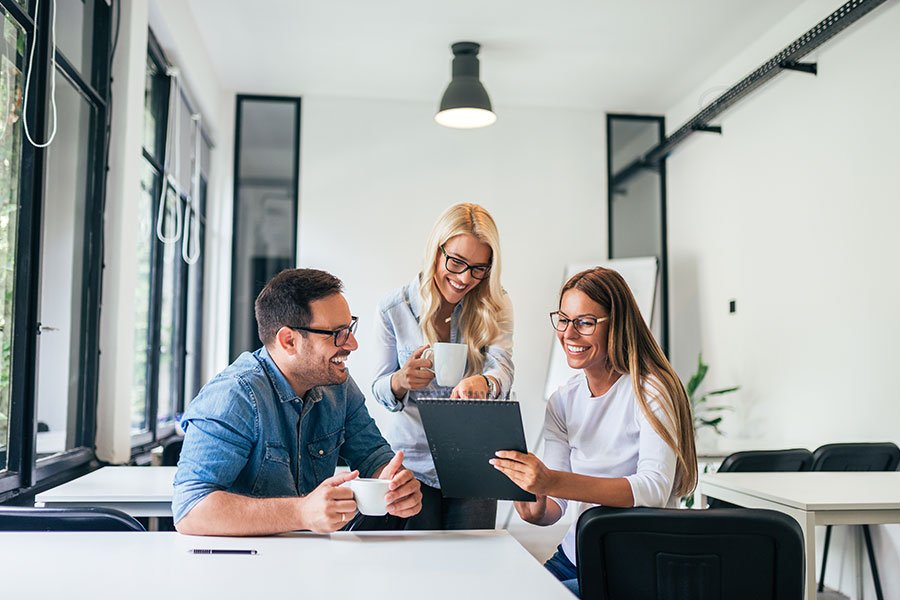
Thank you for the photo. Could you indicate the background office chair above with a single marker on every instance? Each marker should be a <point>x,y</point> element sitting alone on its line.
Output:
<point>760,461</point>
<point>855,457</point>
<point>672,554</point>
<point>171,451</point>
<point>17,518</point>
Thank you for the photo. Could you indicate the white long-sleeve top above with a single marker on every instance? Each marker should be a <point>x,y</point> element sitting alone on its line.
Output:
<point>608,436</point>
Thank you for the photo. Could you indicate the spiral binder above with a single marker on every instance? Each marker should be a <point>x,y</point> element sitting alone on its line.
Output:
<point>463,436</point>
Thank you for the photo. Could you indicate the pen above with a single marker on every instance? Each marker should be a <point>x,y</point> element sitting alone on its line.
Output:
<point>219,551</point>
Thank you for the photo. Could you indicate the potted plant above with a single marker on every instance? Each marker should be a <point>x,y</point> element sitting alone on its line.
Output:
<point>705,414</point>
<point>707,417</point>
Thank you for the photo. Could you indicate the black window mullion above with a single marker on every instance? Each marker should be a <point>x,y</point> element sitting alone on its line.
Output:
<point>179,335</point>
<point>157,254</point>
<point>22,17</point>
<point>21,425</point>
<point>28,272</point>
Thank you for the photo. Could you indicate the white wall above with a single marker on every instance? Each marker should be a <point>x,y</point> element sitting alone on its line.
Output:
<point>793,213</point>
<point>375,175</point>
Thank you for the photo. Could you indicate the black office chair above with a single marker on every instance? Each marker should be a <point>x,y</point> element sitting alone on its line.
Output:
<point>172,451</point>
<point>17,518</point>
<point>676,554</point>
<point>856,457</point>
<point>761,461</point>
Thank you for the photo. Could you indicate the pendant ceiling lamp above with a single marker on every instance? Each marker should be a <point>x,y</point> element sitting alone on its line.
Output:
<point>465,104</point>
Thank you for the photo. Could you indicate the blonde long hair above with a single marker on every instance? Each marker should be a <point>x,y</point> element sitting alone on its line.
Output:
<point>631,349</point>
<point>479,321</point>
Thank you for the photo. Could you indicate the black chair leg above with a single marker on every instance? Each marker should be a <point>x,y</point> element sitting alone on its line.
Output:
<point>824,558</point>
<point>871,551</point>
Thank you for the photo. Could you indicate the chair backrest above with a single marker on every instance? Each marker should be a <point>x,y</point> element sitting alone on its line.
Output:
<point>856,457</point>
<point>760,461</point>
<point>17,518</point>
<point>172,452</point>
<point>677,554</point>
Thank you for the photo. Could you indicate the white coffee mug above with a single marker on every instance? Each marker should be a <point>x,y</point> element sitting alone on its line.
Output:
<point>369,495</point>
<point>449,362</point>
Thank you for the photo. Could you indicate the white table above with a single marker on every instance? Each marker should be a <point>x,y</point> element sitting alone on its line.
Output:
<point>812,498</point>
<point>138,491</point>
<point>362,566</point>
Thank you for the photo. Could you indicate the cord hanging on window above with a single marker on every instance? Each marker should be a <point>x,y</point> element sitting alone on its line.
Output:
<point>164,194</point>
<point>37,8</point>
<point>191,214</point>
<point>191,235</point>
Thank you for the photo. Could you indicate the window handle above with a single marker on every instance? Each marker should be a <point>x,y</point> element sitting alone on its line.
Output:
<point>43,328</point>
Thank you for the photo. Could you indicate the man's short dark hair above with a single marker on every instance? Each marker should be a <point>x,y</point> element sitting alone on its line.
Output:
<point>284,302</point>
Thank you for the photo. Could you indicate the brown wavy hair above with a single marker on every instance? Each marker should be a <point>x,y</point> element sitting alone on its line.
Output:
<point>631,349</point>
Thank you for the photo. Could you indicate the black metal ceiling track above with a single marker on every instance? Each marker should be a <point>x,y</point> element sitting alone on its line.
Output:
<point>787,59</point>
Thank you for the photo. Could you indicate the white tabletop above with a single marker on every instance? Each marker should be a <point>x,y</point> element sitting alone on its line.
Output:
<point>813,491</point>
<point>138,491</point>
<point>364,566</point>
<point>115,484</point>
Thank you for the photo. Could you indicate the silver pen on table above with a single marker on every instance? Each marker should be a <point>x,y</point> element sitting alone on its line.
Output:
<point>219,551</point>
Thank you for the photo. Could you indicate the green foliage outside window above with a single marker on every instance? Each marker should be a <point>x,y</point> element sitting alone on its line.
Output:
<point>12,49</point>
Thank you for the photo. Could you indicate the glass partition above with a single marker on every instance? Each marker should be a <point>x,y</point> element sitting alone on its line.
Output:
<point>637,205</point>
<point>265,205</point>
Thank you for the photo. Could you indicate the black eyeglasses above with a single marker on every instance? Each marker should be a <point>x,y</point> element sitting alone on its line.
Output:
<point>583,325</point>
<point>459,266</point>
<point>340,335</point>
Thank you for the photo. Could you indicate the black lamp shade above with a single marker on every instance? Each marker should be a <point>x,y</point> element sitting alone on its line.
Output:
<point>465,104</point>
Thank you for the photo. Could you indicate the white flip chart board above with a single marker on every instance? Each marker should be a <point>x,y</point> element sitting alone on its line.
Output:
<point>641,275</point>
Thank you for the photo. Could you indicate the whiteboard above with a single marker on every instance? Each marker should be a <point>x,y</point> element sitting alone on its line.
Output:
<point>640,274</point>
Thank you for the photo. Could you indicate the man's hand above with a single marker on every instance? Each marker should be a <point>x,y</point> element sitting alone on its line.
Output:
<point>414,375</point>
<point>525,470</point>
<point>404,498</point>
<point>330,506</point>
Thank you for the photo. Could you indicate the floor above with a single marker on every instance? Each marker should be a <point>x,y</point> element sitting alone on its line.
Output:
<point>541,542</point>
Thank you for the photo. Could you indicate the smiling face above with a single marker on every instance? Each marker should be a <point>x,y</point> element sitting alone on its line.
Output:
<point>586,352</point>
<point>469,249</point>
<point>314,359</point>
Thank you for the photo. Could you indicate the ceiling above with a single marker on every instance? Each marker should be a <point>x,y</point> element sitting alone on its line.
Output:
<point>639,55</point>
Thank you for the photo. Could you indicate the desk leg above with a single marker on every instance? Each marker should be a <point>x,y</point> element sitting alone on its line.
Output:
<point>807,521</point>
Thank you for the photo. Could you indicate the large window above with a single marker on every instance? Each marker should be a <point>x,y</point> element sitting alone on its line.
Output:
<point>51,202</point>
<point>12,59</point>
<point>172,204</point>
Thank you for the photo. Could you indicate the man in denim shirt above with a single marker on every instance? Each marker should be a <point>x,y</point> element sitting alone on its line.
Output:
<point>262,439</point>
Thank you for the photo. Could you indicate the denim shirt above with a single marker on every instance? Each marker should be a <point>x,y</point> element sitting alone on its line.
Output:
<point>248,433</point>
<point>397,336</point>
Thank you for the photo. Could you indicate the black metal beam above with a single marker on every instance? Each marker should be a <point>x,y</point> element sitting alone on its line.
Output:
<point>811,68</point>
<point>788,58</point>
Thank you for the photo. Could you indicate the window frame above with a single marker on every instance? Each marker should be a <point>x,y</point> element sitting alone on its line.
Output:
<point>236,197</point>
<point>24,471</point>
<point>182,293</point>
<point>663,232</point>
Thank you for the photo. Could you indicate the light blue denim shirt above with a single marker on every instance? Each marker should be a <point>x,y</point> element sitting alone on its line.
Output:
<point>248,433</point>
<point>397,336</point>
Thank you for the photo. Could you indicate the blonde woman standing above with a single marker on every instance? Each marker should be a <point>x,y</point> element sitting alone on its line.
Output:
<point>620,432</point>
<point>458,298</point>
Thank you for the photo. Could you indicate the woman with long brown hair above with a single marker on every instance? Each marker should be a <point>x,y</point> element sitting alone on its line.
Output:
<point>620,432</point>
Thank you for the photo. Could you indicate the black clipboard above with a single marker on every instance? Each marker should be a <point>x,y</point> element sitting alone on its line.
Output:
<point>463,436</point>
